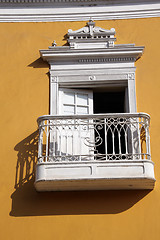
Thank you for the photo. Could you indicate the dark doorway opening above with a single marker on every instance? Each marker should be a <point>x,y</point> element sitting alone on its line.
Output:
<point>110,102</point>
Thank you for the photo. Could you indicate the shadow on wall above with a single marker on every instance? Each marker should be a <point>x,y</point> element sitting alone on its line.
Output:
<point>27,202</point>
<point>39,63</point>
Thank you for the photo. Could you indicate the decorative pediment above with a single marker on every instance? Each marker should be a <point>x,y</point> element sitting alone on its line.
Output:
<point>90,33</point>
<point>92,44</point>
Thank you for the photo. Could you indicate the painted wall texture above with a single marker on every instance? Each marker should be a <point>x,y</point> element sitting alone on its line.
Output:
<point>24,96</point>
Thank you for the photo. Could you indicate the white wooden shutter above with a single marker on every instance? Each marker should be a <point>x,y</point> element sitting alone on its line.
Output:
<point>71,139</point>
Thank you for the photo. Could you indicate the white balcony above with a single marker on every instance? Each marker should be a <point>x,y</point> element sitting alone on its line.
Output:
<point>94,152</point>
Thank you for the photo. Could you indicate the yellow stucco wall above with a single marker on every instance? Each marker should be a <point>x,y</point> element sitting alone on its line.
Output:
<point>24,96</point>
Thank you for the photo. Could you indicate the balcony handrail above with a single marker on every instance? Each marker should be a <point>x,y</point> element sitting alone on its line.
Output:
<point>98,116</point>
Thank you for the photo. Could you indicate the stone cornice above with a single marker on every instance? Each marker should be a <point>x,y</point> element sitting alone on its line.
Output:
<point>45,1</point>
<point>76,10</point>
<point>18,2</point>
<point>108,55</point>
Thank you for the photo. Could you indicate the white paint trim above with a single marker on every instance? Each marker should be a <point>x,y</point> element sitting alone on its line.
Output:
<point>60,2</point>
<point>115,65</point>
<point>75,2</point>
<point>53,13</point>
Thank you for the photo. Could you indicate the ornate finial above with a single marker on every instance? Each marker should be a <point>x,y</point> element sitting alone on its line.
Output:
<point>91,25</point>
<point>54,44</point>
<point>90,20</point>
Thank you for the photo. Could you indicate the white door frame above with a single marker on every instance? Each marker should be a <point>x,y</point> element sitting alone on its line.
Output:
<point>128,82</point>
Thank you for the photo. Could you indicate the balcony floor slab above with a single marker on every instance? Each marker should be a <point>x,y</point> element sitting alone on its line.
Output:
<point>94,184</point>
<point>95,176</point>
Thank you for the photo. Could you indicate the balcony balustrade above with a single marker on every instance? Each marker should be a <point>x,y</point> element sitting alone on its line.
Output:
<point>100,151</point>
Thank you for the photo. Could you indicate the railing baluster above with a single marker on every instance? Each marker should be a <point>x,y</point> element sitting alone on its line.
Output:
<point>47,133</point>
<point>52,140</point>
<point>40,143</point>
<point>60,142</point>
<point>147,139</point>
<point>131,137</point>
<point>105,134</point>
<point>139,127</point>
<point>72,134</point>
<point>66,136</point>
<point>119,142</point>
<point>80,142</point>
<point>113,143</point>
<point>126,142</point>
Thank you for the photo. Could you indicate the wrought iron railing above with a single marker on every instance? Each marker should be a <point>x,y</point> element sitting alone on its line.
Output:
<point>98,137</point>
